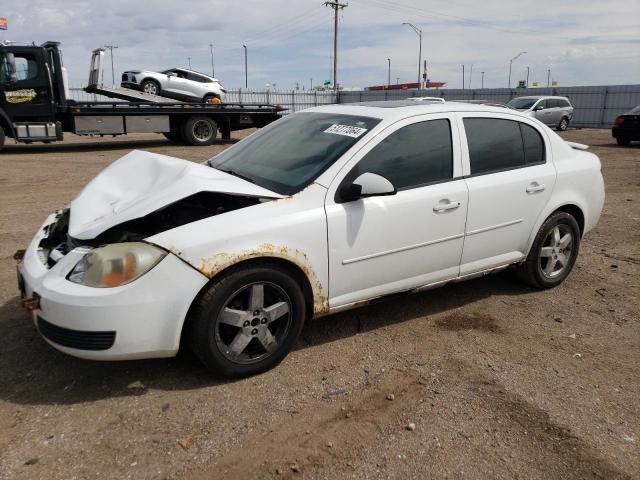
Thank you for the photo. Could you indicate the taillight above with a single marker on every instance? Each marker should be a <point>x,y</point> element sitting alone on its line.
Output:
<point>619,121</point>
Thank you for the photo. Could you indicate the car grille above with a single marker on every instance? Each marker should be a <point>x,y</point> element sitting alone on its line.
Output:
<point>80,339</point>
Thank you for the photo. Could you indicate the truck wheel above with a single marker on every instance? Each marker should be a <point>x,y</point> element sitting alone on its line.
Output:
<point>199,131</point>
<point>150,86</point>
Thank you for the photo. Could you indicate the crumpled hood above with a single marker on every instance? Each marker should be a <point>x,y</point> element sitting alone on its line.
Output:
<point>142,182</point>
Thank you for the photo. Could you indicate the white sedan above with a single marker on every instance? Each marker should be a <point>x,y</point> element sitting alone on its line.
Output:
<point>319,212</point>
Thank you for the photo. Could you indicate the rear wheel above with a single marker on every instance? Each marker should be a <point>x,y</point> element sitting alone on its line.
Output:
<point>247,321</point>
<point>150,86</point>
<point>199,131</point>
<point>553,253</point>
<point>623,141</point>
<point>564,124</point>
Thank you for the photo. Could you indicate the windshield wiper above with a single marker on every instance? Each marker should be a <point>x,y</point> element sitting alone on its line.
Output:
<point>236,174</point>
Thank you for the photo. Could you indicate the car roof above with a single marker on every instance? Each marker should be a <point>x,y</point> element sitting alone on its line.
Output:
<point>396,109</point>
<point>538,97</point>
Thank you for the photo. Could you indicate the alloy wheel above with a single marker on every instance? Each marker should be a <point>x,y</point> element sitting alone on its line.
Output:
<point>556,251</point>
<point>202,130</point>
<point>253,323</point>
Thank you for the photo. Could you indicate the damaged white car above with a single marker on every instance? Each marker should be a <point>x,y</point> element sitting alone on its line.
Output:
<point>321,211</point>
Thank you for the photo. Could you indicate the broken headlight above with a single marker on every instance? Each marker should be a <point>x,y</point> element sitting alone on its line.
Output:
<point>116,264</point>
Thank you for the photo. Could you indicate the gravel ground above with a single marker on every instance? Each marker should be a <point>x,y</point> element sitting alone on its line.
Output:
<point>482,379</point>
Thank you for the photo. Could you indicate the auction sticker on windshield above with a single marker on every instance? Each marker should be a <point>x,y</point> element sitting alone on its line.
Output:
<point>346,130</point>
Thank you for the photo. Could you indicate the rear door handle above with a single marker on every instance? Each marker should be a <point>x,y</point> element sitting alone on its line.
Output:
<point>445,205</point>
<point>536,187</point>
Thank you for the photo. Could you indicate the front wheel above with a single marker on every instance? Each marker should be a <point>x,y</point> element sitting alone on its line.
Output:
<point>564,124</point>
<point>553,253</point>
<point>246,322</point>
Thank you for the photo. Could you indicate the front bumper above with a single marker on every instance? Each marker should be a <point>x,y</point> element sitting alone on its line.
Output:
<point>130,85</point>
<point>142,319</point>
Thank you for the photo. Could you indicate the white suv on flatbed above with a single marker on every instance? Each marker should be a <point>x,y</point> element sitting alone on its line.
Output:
<point>321,211</point>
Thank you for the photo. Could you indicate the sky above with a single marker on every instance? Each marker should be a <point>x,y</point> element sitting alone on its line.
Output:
<point>289,43</point>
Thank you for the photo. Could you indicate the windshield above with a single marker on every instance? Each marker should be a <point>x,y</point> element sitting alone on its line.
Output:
<point>291,152</point>
<point>522,103</point>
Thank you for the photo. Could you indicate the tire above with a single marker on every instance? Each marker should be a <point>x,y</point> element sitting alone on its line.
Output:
<point>233,344</point>
<point>624,142</point>
<point>563,125</point>
<point>150,86</point>
<point>548,249</point>
<point>199,131</point>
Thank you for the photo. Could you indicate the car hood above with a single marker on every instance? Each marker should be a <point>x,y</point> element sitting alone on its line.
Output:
<point>142,182</point>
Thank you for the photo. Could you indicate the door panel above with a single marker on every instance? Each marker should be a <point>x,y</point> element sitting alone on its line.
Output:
<point>387,244</point>
<point>503,208</point>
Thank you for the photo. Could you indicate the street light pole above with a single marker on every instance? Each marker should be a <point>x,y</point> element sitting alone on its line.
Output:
<point>548,76</point>
<point>510,63</point>
<point>527,76</point>
<point>246,81</point>
<point>463,76</point>
<point>389,72</point>
<point>419,33</point>
<point>213,72</point>
<point>482,82</point>
<point>113,76</point>
<point>470,74</point>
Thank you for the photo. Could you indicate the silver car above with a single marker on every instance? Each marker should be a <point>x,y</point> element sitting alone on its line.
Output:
<point>177,83</point>
<point>552,111</point>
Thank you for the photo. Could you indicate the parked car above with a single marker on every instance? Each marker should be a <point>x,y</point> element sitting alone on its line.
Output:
<point>321,211</point>
<point>626,127</point>
<point>555,112</point>
<point>177,83</point>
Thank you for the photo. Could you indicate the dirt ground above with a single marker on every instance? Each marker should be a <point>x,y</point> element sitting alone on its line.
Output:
<point>500,381</point>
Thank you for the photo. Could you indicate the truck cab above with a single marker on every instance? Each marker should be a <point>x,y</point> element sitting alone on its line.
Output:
<point>32,85</point>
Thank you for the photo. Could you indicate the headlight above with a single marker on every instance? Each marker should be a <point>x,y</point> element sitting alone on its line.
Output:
<point>116,264</point>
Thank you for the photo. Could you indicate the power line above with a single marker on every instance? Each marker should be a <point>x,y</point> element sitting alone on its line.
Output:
<point>336,8</point>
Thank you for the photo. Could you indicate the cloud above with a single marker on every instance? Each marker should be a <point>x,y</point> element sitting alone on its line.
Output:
<point>584,43</point>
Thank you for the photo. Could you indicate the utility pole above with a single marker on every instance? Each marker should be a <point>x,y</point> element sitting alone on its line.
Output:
<point>246,81</point>
<point>527,76</point>
<point>463,76</point>
<point>213,72</point>
<point>482,83</point>
<point>510,62</point>
<point>113,76</point>
<point>470,74</point>
<point>389,72</point>
<point>548,76</point>
<point>336,7</point>
<point>311,83</point>
<point>425,77</point>
<point>419,33</point>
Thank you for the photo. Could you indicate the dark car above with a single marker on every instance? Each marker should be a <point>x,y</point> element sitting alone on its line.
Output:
<point>626,128</point>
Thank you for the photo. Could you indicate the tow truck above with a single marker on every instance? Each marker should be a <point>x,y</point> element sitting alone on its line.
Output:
<point>35,104</point>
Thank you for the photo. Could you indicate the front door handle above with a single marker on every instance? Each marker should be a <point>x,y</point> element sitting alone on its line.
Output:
<point>535,187</point>
<point>445,205</point>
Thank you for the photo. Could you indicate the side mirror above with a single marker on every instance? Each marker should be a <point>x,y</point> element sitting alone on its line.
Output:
<point>538,107</point>
<point>367,185</point>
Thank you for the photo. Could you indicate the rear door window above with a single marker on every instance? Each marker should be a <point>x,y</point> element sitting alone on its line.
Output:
<point>494,144</point>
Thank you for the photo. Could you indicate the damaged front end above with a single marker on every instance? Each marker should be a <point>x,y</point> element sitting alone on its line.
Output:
<point>57,241</point>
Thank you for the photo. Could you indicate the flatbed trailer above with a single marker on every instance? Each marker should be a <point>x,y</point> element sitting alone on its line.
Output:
<point>35,105</point>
